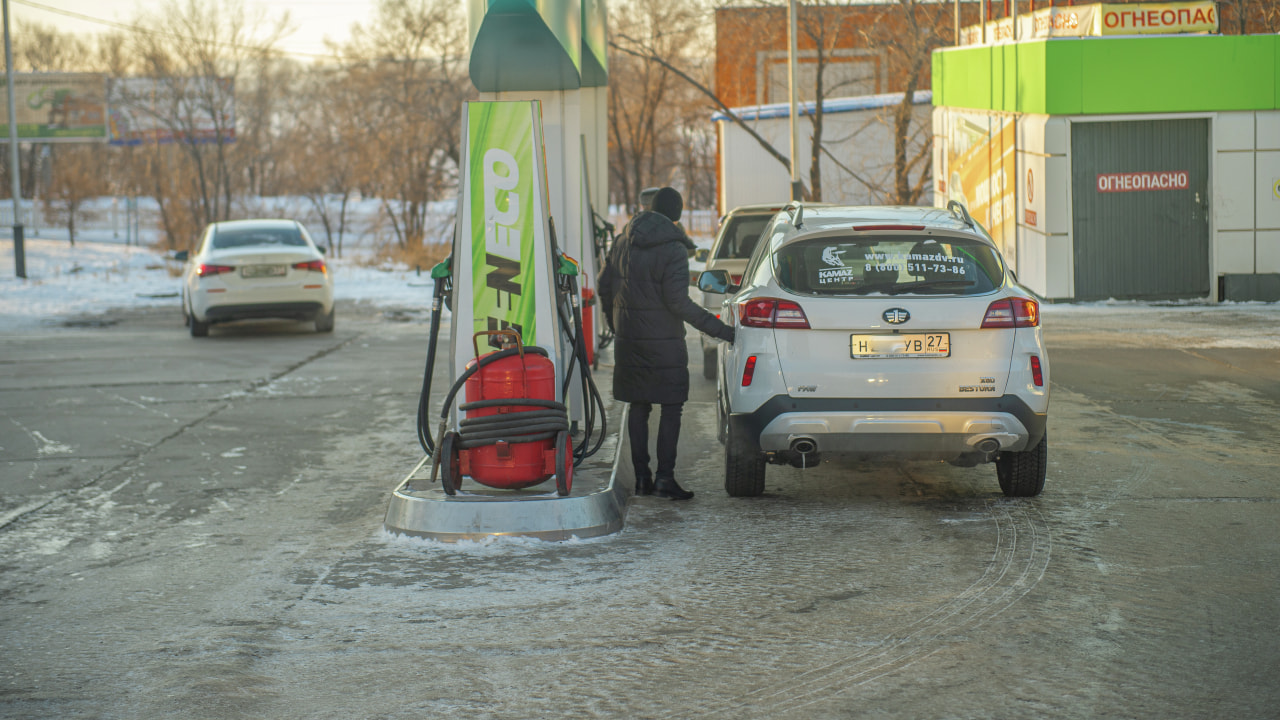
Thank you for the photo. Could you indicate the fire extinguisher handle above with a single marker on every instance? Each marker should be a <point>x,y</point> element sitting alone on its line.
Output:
<point>510,332</point>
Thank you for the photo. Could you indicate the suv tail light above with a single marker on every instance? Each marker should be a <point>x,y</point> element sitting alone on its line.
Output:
<point>317,265</point>
<point>772,313</point>
<point>204,270</point>
<point>1012,313</point>
<point>749,371</point>
<point>1037,373</point>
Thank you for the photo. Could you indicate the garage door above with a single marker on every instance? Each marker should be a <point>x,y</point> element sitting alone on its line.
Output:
<point>1140,209</point>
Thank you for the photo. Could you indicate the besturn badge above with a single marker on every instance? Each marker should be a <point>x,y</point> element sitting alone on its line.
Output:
<point>896,316</point>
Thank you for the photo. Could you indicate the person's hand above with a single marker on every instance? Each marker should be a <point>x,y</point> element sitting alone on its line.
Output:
<point>728,335</point>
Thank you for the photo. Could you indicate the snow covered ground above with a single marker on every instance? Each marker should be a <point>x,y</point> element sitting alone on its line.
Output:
<point>94,276</point>
<point>91,277</point>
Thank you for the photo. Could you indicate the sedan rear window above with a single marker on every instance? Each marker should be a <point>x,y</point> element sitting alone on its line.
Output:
<point>224,239</point>
<point>740,235</point>
<point>893,265</point>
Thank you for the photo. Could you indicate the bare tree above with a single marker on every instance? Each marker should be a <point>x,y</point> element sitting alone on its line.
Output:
<point>409,75</point>
<point>196,52</point>
<point>77,176</point>
<point>642,50</point>
<point>913,29</point>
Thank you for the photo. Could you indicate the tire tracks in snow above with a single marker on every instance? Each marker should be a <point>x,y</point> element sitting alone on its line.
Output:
<point>1020,558</point>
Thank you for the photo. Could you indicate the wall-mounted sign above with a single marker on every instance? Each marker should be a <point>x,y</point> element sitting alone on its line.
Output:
<point>1097,20</point>
<point>1140,181</point>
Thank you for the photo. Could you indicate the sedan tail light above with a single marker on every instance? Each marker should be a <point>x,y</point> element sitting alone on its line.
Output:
<point>316,265</point>
<point>772,313</point>
<point>1012,313</point>
<point>205,270</point>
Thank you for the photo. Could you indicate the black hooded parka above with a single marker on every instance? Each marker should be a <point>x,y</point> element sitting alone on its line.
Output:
<point>644,295</point>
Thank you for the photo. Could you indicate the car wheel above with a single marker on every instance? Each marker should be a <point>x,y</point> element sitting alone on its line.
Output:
<point>709,363</point>
<point>743,466</point>
<point>198,329</point>
<point>1021,474</point>
<point>324,323</point>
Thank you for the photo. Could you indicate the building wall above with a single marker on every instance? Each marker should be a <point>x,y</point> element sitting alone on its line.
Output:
<point>1246,193</point>
<point>752,42</point>
<point>860,140</point>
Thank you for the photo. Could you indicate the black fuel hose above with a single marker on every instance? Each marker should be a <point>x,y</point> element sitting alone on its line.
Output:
<point>442,287</point>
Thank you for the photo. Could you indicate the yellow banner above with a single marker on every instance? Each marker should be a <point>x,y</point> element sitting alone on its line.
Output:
<point>1158,18</point>
<point>1098,20</point>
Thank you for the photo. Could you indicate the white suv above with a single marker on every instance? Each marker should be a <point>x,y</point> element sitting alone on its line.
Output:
<point>735,240</point>
<point>880,330</point>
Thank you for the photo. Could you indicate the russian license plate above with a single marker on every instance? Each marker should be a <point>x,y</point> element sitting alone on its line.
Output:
<point>926,345</point>
<point>257,271</point>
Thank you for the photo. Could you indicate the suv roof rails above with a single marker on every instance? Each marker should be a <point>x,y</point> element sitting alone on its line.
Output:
<point>796,210</point>
<point>962,214</point>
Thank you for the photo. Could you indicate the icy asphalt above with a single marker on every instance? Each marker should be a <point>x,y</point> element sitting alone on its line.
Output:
<point>193,529</point>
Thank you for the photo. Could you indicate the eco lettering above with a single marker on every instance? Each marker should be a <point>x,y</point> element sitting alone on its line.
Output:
<point>501,231</point>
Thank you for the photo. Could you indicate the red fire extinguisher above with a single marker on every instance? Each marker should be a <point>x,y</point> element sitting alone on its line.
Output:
<point>515,434</point>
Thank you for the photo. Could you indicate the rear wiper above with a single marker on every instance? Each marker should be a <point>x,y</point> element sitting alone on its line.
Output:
<point>906,287</point>
<point>873,287</point>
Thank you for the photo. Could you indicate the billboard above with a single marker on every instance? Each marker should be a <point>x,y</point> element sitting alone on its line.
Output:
<point>56,107</point>
<point>164,110</point>
<point>980,172</point>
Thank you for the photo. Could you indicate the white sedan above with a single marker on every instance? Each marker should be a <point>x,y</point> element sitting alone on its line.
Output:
<point>248,269</point>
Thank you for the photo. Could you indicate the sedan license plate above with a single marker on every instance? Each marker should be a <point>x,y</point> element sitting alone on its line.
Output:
<point>924,345</point>
<point>257,271</point>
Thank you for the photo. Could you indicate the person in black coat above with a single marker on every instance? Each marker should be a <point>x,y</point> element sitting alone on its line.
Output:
<point>644,296</point>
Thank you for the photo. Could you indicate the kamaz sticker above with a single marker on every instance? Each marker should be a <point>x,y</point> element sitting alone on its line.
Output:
<point>831,256</point>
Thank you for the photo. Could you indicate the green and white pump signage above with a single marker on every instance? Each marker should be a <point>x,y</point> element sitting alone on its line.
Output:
<point>503,270</point>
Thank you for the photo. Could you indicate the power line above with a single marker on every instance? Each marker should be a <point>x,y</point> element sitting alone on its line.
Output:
<point>147,31</point>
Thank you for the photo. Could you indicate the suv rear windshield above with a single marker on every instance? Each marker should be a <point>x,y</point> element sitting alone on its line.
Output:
<point>894,265</point>
<point>224,239</point>
<point>740,235</point>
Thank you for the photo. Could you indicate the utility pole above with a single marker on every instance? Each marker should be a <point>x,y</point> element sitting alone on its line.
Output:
<point>19,252</point>
<point>797,189</point>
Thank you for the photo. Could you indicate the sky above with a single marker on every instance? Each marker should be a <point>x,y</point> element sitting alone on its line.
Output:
<point>314,19</point>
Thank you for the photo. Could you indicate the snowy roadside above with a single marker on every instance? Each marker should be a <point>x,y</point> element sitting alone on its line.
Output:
<point>92,277</point>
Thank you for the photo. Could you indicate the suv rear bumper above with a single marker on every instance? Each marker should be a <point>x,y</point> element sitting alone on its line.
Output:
<point>893,425</point>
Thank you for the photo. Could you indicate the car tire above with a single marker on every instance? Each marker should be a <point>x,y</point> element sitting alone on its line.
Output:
<point>199,329</point>
<point>1021,474</point>
<point>324,323</point>
<point>709,363</point>
<point>744,466</point>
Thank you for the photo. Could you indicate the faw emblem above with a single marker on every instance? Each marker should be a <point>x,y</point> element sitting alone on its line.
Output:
<point>896,316</point>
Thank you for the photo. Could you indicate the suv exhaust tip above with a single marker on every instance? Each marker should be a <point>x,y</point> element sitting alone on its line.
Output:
<point>988,447</point>
<point>804,446</point>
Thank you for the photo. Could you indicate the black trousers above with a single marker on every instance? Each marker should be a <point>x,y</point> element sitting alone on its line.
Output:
<point>668,438</point>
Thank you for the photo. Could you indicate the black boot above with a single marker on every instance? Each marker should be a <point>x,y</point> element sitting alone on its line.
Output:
<point>644,486</point>
<point>667,488</point>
